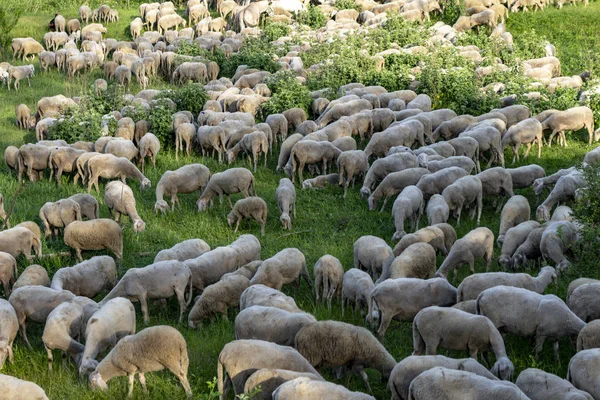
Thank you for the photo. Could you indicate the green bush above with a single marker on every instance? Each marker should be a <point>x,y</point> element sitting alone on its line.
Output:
<point>160,119</point>
<point>78,124</point>
<point>274,30</point>
<point>312,16</point>
<point>256,53</point>
<point>190,97</point>
<point>287,92</point>
<point>587,211</point>
<point>347,5</point>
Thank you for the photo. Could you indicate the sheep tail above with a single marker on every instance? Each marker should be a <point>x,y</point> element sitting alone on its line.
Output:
<point>220,376</point>
<point>370,309</point>
<point>189,300</point>
<point>418,342</point>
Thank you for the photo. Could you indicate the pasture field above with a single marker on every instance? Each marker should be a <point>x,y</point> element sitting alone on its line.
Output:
<point>326,223</point>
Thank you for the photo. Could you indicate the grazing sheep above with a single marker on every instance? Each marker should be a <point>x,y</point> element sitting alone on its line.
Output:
<point>465,192</point>
<point>589,336</point>
<point>251,208</point>
<point>524,313</point>
<point>338,344</point>
<point>437,210</point>
<point>261,295</point>
<point>34,275</point>
<point>356,288</point>
<point>306,388</point>
<point>151,349</point>
<point>88,204</point>
<point>217,298</point>
<point>351,164</point>
<point>287,266</point>
<point>564,190</point>
<point>329,274</point>
<point>286,150</point>
<point>321,181</point>
<point>32,226</point>
<point>523,177</point>
<point>496,182</point>
<point>160,280</point>
<point>241,358</point>
<point>529,250</point>
<point>562,213</point>
<point>108,166</point>
<point>572,119</point>
<point>370,254</point>
<point>541,385</point>
<point>412,366</point>
<point>186,179</point>
<point>430,234</point>
<point>114,320</point>
<point>149,147</point>
<point>182,251</point>
<point>312,152</point>
<point>233,180</point>
<point>253,144</point>
<point>59,215</point>
<point>97,234</point>
<point>528,131</point>
<point>582,371</point>
<point>516,236</point>
<point>268,380</point>
<point>548,181</point>
<point>385,166</point>
<point>416,261</point>
<point>14,388</point>
<point>8,271</point>
<point>408,205</point>
<point>285,196</point>
<point>20,240</point>
<point>271,324</point>
<point>440,382</point>
<point>24,119</point>
<point>8,333</point>
<point>393,184</point>
<point>88,278</point>
<point>515,211</point>
<point>458,330</point>
<point>119,199</point>
<point>403,298</point>
<point>479,243</point>
<point>557,238</point>
<point>582,301</point>
<point>576,283</point>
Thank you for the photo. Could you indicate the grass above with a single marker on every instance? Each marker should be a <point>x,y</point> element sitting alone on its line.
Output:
<point>326,224</point>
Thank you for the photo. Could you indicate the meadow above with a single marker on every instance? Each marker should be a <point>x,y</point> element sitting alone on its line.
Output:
<point>326,223</point>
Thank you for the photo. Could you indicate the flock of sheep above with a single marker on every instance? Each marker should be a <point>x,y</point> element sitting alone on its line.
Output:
<point>429,162</point>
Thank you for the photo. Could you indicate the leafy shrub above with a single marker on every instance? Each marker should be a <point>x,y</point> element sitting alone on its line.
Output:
<point>274,30</point>
<point>347,5</point>
<point>312,16</point>
<point>79,123</point>
<point>287,92</point>
<point>256,53</point>
<point>190,97</point>
<point>453,9</point>
<point>587,211</point>
<point>161,122</point>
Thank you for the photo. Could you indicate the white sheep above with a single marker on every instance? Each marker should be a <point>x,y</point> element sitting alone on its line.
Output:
<point>329,275</point>
<point>351,164</point>
<point>465,192</point>
<point>149,147</point>
<point>233,180</point>
<point>14,388</point>
<point>582,371</point>
<point>515,237</point>
<point>285,196</point>
<point>479,243</point>
<point>108,166</point>
<point>182,251</point>
<point>515,211</point>
<point>582,301</point>
<point>523,177</point>
<point>252,207</point>
<point>416,261</point>
<point>8,333</point>
<point>119,199</point>
<point>529,250</point>
<point>269,379</point>
<point>187,179</point>
<point>261,295</point>
<point>541,385</point>
<point>562,213</point>
<point>287,266</point>
<point>59,215</point>
<point>439,180</point>
<point>432,235</point>
<point>87,278</point>
<point>97,234</point>
<point>564,190</point>
<point>217,298</point>
<point>557,238</point>
<point>528,131</point>
<point>589,336</point>
<point>408,205</point>
<point>437,210</point>
<point>370,254</point>
<point>356,288</point>
<point>306,389</point>
<point>393,184</point>
<point>8,271</point>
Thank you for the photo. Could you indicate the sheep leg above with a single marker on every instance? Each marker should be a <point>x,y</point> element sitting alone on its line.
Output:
<point>330,295</point>
<point>131,377</point>
<point>144,304</point>
<point>526,151</point>
<point>78,254</point>
<point>229,200</point>
<point>237,224</point>
<point>23,328</point>
<point>50,358</point>
<point>182,304</point>
<point>385,200</point>
<point>142,379</point>
<point>539,345</point>
<point>555,348</point>
<point>384,324</point>
<point>361,371</point>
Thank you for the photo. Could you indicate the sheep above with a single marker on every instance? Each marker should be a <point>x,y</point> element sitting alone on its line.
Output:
<point>384,166</point>
<point>489,138</point>
<point>307,388</point>
<point>588,337</point>
<point>463,162</point>
<point>65,323</point>
<point>458,330</point>
<point>248,271</point>
<point>114,320</point>
<point>252,207</point>
<point>416,261</point>
<point>496,182</point>
<point>338,344</point>
<point>439,180</point>
<point>329,274</point>
<point>59,215</point>
<point>572,119</point>
<point>88,278</point>
<point>437,210</point>
<point>286,150</point>
<point>403,298</point>
<point>96,234</point>
<point>21,72</point>
<point>312,152</point>
<point>515,211</point>
<point>270,324</point>
<point>160,280</point>
<point>8,271</point>
<point>524,313</point>
<point>149,147</point>
<point>233,180</point>
<point>351,164</point>
<point>564,190</point>
<point>151,349</point>
<point>321,181</point>
<point>217,298</point>
<point>182,251</point>
<point>356,288</point>
<point>108,166</point>
<point>465,192</point>
<point>479,243</point>
<point>516,236</point>
<point>529,249</point>
<point>556,239</point>
<point>32,226</point>
<point>582,371</point>
<point>547,181</point>
<point>8,333</point>
<point>268,380</point>
<point>526,132</point>
<point>439,382</point>
<point>14,388</point>
<point>412,366</point>
<point>541,385</point>
<point>393,184</point>
<point>119,199</point>
<point>581,301</point>
<point>525,176</point>
<point>370,254</point>
<point>285,196</point>
<point>34,303</point>
<point>34,275</point>
<point>261,295</point>
<point>287,266</point>
<point>408,204</point>
<point>186,179</point>
<point>20,240</point>
<point>430,234</point>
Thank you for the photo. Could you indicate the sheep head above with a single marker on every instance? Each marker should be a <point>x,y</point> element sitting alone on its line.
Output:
<point>542,214</point>
<point>161,206</point>
<point>286,221</point>
<point>96,382</point>
<point>231,218</point>
<point>202,204</point>
<point>146,184</point>
<point>139,226</point>
<point>503,369</point>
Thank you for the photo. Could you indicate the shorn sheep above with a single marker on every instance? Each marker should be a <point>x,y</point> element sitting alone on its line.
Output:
<point>97,234</point>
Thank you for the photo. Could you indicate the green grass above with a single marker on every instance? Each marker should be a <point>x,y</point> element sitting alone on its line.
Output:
<point>326,224</point>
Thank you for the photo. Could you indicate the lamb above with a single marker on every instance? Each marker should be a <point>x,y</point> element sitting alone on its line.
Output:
<point>261,295</point>
<point>384,166</point>
<point>233,180</point>
<point>403,298</point>
<point>252,207</point>
<point>8,333</point>
<point>412,366</point>
<point>338,344</point>
<point>528,131</point>
<point>447,383</point>
<point>14,388</point>
<point>557,238</point>
<point>541,385</point>
<point>564,190</point>
<point>65,323</point>
<point>588,337</point>
<point>182,251</point>
<point>351,164</point>
<point>439,180</point>
<point>465,192</point>
<point>582,369</point>
<point>321,181</point>
<point>217,298</point>
<point>88,278</point>
<point>408,205</point>
<point>108,166</point>
<point>582,301</point>
<point>479,243</point>
<point>524,313</point>
<point>329,274</point>
<point>525,176</point>
<point>160,280</point>
<point>312,152</point>
<point>149,147</point>
<point>34,303</point>
<point>34,275</point>
<point>432,235</point>
<point>20,240</point>
<point>393,184</point>
<point>356,288</point>
<point>114,320</point>
<point>97,234</point>
<point>186,179</point>
<point>307,388</point>
<point>458,330</point>
<point>119,199</point>
<point>285,196</point>
<point>416,261</point>
<point>287,266</point>
<point>437,210</point>
<point>8,271</point>
<point>268,380</point>
<point>151,349</point>
<point>515,211</point>
<point>270,324</point>
<point>59,215</point>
